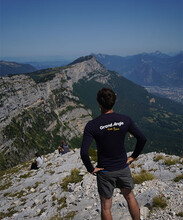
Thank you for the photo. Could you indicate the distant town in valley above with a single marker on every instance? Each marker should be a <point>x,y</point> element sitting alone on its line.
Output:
<point>173,93</point>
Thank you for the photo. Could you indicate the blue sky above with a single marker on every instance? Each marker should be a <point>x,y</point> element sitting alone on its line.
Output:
<point>73,28</point>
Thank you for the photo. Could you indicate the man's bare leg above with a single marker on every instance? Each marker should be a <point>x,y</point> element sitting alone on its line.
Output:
<point>132,203</point>
<point>106,208</point>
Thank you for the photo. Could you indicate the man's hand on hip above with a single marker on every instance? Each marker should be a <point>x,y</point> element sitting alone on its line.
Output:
<point>130,160</point>
<point>96,170</point>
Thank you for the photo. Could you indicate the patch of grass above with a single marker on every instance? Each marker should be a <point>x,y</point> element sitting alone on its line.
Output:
<point>37,184</point>
<point>20,194</point>
<point>41,212</point>
<point>10,212</point>
<point>6,194</point>
<point>142,176</point>
<point>17,194</point>
<point>51,184</point>
<point>5,186</point>
<point>62,203</point>
<point>170,161</point>
<point>69,216</point>
<point>25,175</point>
<point>73,178</point>
<point>178,178</point>
<point>62,200</point>
<point>23,200</point>
<point>56,217</point>
<point>181,160</point>
<point>51,172</point>
<point>158,157</point>
<point>10,171</point>
<point>132,165</point>
<point>139,165</point>
<point>93,154</point>
<point>44,201</point>
<point>180,214</point>
<point>159,202</point>
<point>54,198</point>
<point>49,164</point>
<point>152,170</point>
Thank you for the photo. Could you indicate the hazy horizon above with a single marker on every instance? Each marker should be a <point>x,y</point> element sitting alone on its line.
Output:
<point>58,58</point>
<point>69,29</point>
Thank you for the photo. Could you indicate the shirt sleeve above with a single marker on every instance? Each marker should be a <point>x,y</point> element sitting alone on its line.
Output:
<point>141,139</point>
<point>87,140</point>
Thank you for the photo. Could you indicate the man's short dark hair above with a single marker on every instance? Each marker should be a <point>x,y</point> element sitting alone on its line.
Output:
<point>106,98</point>
<point>37,154</point>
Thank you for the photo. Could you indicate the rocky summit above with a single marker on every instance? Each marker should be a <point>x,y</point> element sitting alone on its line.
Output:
<point>63,189</point>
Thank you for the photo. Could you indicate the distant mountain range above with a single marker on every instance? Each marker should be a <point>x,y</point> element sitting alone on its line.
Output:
<point>39,109</point>
<point>147,69</point>
<point>48,64</point>
<point>10,68</point>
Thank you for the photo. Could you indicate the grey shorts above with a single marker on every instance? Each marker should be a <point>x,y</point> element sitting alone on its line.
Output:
<point>107,181</point>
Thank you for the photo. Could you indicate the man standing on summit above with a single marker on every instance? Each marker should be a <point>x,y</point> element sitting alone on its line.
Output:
<point>112,171</point>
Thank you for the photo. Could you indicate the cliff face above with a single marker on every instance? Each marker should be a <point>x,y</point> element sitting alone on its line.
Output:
<point>37,115</point>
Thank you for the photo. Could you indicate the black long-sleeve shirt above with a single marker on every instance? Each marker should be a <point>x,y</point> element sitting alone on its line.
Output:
<point>109,131</point>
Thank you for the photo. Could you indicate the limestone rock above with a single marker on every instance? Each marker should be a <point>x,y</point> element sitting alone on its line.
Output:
<point>41,196</point>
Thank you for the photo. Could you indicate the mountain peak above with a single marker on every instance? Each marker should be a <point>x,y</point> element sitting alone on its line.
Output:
<point>82,59</point>
<point>159,54</point>
<point>87,67</point>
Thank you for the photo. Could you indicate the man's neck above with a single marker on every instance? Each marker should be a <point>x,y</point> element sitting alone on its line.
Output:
<point>108,111</point>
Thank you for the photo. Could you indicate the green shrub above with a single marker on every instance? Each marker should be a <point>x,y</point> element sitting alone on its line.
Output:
<point>159,201</point>
<point>73,178</point>
<point>178,178</point>
<point>141,177</point>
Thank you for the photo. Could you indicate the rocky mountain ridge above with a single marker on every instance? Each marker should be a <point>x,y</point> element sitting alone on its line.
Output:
<point>43,194</point>
<point>11,68</point>
<point>147,69</point>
